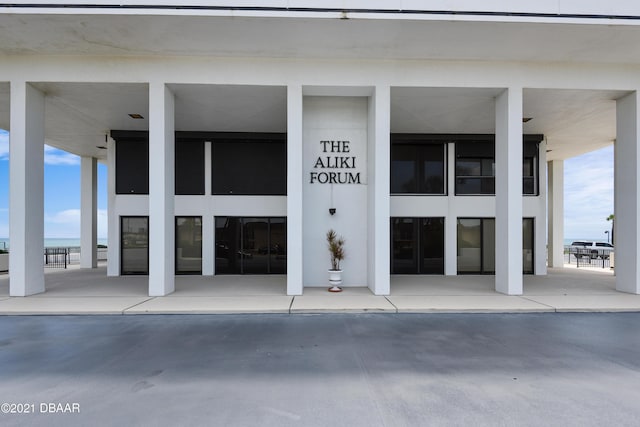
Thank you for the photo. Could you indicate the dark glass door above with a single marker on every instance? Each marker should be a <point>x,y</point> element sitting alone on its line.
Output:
<point>251,245</point>
<point>404,242</point>
<point>417,245</point>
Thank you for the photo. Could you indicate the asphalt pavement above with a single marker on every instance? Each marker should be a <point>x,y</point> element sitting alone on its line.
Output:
<point>564,369</point>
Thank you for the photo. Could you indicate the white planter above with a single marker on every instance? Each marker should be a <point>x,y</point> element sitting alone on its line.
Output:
<point>4,262</point>
<point>335,280</point>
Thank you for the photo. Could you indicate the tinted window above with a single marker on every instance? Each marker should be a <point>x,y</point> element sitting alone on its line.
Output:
<point>417,245</point>
<point>188,245</point>
<point>418,167</point>
<point>245,166</point>
<point>530,168</point>
<point>132,165</point>
<point>189,161</point>
<point>134,245</point>
<point>251,245</point>
<point>475,167</point>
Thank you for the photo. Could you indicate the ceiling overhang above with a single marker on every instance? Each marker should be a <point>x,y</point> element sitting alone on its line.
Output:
<point>304,37</point>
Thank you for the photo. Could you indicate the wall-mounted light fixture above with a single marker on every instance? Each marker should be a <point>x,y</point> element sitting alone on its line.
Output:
<point>332,211</point>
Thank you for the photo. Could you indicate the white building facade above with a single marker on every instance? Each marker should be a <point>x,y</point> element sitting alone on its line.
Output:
<point>430,135</point>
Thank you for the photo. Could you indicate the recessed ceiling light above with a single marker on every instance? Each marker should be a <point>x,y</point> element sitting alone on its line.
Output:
<point>136,116</point>
<point>526,119</point>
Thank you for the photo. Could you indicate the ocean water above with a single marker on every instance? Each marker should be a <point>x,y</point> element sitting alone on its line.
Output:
<point>54,243</point>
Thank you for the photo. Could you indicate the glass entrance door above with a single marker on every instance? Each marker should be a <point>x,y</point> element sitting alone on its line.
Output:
<point>250,245</point>
<point>417,245</point>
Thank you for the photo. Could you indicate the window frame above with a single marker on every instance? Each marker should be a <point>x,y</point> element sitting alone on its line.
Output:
<point>482,177</point>
<point>417,141</point>
<point>176,242</point>
<point>122,272</point>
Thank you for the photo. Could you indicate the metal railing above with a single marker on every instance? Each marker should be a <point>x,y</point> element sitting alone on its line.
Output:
<point>587,257</point>
<point>56,257</point>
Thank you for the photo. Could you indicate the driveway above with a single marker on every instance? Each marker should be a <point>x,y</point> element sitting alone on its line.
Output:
<point>564,369</point>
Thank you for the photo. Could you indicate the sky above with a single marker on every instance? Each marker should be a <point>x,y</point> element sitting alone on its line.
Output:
<point>62,193</point>
<point>588,194</point>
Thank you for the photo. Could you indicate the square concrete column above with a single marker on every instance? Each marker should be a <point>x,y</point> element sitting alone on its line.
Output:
<point>113,226</point>
<point>509,192</point>
<point>26,190</point>
<point>161,190</point>
<point>379,159</point>
<point>451,221</point>
<point>88,212</point>
<point>294,190</point>
<point>540,229</point>
<point>208,221</point>
<point>627,195</point>
<point>556,213</point>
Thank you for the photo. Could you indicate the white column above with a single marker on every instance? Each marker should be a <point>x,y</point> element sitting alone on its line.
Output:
<point>451,221</point>
<point>379,191</point>
<point>161,190</point>
<point>208,224</point>
<point>627,195</point>
<point>26,190</point>
<point>208,242</point>
<point>88,212</point>
<point>113,247</point>
<point>509,192</point>
<point>540,222</point>
<point>294,190</point>
<point>556,213</point>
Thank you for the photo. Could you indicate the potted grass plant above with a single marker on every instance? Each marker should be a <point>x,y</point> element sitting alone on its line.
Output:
<point>335,244</point>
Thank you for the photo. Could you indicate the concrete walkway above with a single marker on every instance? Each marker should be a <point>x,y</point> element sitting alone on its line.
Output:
<point>77,291</point>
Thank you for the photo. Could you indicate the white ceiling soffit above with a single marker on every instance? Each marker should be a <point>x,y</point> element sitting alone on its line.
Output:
<point>573,121</point>
<point>79,115</point>
<point>230,108</point>
<point>320,38</point>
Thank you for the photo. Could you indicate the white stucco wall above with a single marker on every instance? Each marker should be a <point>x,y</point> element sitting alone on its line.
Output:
<point>335,119</point>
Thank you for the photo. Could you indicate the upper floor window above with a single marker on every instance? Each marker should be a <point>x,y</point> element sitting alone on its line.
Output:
<point>132,162</point>
<point>189,160</point>
<point>418,165</point>
<point>249,164</point>
<point>475,167</point>
<point>530,167</point>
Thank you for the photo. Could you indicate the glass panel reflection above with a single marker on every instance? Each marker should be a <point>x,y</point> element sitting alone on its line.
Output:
<point>255,246</point>
<point>134,245</point>
<point>469,245</point>
<point>228,245</point>
<point>488,245</point>
<point>432,246</point>
<point>188,245</point>
<point>527,245</point>
<point>403,237</point>
<point>278,246</point>
<point>251,245</point>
